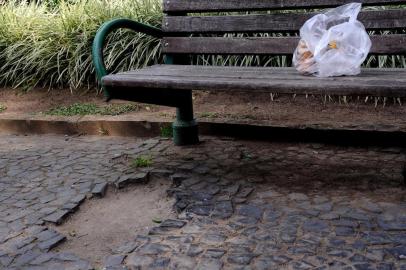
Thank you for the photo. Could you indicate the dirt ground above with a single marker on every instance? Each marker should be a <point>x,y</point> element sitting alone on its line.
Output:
<point>329,112</point>
<point>102,224</point>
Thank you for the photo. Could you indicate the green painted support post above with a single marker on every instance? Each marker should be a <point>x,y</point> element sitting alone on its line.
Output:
<point>185,127</point>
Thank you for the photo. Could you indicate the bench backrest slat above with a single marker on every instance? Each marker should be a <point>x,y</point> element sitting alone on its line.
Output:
<point>393,44</point>
<point>238,5</point>
<point>270,31</point>
<point>373,20</point>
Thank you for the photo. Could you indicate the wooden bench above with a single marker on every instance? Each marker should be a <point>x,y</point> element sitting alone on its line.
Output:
<point>187,32</point>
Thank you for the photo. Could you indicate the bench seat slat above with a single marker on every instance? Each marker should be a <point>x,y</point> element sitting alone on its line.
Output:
<point>243,5</point>
<point>246,72</point>
<point>372,82</point>
<point>373,20</point>
<point>386,44</point>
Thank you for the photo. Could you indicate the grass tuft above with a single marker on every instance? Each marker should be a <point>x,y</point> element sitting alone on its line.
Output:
<point>75,109</point>
<point>142,162</point>
<point>118,109</point>
<point>2,108</point>
<point>81,109</point>
<point>167,131</point>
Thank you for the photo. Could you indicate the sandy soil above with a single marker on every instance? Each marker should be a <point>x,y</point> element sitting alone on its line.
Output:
<point>102,224</point>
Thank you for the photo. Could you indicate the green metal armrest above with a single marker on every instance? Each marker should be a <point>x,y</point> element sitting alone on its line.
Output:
<point>100,41</point>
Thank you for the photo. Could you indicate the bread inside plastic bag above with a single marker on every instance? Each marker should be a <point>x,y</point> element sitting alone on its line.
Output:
<point>333,44</point>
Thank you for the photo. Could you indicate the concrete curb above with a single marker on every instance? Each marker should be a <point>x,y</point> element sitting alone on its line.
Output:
<point>88,127</point>
<point>354,135</point>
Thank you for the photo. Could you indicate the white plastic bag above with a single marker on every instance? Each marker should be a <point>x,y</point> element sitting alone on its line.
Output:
<point>333,44</point>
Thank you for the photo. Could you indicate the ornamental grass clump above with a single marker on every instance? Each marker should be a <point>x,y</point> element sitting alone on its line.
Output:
<point>44,45</point>
<point>47,43</point>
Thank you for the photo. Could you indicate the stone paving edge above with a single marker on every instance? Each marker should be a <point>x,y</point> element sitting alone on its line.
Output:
<point>355,135</point>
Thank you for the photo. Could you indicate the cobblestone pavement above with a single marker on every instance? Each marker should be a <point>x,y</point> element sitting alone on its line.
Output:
<point>240,205</point>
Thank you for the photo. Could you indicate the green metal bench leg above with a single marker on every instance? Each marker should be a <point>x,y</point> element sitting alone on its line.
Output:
<point>185,128</point>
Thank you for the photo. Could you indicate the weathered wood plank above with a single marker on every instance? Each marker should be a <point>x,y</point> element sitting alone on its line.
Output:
<point>373,20</point>
<point>243,5</point>
<point>282,80</point>
<point>388,44</point>
<point>269,73</point>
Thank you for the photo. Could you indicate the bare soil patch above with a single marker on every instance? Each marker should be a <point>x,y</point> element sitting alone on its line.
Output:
<point>41,100</point>
<point>102,224</point>
<point>233,107</point>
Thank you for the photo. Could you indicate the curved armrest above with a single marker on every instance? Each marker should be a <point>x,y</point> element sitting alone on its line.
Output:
<point>100,40</point>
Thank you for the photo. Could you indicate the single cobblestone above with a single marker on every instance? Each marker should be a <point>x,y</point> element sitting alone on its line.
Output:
<point>100,189</point>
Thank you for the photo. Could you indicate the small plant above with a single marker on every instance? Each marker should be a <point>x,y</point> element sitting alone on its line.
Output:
<point>167,131</point>
<point>2,108</point>
<point>117,109</point>
<point>92,109</point>
<point>142,162</point>
<point>209,115</point>
<point>75,109</point>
